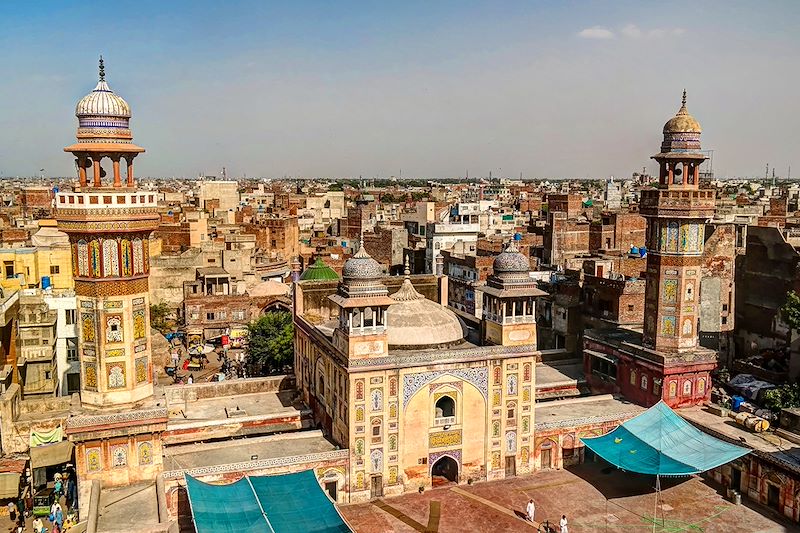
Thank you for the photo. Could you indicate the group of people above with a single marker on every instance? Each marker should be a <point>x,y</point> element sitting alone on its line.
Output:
<point>530,510</point>
<point>59,520</point>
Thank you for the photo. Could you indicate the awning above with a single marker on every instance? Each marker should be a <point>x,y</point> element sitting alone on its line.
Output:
<point>660,442</point>
<point>51,454</point>
<point>9,485</point>
<point>277,504</point>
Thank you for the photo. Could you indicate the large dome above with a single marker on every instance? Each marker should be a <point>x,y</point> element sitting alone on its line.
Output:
<point>414,322</point>
<point>511,260</point>
<point>361,266</point>
<point>682,122</point>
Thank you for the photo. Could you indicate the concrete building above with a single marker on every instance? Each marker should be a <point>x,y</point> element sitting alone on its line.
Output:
<point>220,196</point>
<point>36,349</point>
<point>444,236</point>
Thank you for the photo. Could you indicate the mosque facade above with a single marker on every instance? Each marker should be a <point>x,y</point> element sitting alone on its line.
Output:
<point>392,377</point>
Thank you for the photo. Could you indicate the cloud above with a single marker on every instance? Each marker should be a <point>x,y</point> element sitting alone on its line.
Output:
<point>596,32</point>
<point>632,31</point>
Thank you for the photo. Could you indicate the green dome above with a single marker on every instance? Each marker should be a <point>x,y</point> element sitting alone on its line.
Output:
<point>319,271</point>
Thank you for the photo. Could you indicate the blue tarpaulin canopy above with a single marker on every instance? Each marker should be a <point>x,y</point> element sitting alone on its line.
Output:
<point>278,504</point>
<point>660,442</point>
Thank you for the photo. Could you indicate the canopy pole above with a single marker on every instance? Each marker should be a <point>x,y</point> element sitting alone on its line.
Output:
<point>655,506</point>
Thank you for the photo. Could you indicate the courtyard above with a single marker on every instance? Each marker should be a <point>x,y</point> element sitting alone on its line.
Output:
<point>593,496</point>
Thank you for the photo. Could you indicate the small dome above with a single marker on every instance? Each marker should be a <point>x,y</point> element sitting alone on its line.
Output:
<point>682,122</point>
<point>319,271</point>
<point>103,102</point>
<point>511,260</point>
<point>415,322</point>
<point>361,266</point>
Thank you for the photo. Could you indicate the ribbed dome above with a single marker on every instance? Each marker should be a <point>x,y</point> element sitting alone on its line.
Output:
<point>682,122</point>
<point>102,102</point>
<point>361,266</point>
<point>319,271</point>
<point>416,322</point>
<point>511,260</point>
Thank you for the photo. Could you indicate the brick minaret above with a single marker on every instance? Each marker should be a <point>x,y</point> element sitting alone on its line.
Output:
<point>676,213</point>
<point>109,226</point>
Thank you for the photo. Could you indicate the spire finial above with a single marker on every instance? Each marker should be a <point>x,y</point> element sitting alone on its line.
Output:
<point>102,70</point>
<point>683,100</point>
<point>407,270</point>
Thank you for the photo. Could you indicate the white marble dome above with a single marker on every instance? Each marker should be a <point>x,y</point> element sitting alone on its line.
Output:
<point>102,102</point>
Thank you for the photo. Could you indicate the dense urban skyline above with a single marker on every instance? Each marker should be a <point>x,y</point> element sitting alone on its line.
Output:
<point>351,89</point>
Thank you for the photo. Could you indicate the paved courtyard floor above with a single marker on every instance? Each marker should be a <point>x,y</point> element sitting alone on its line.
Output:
<point>594,498</point>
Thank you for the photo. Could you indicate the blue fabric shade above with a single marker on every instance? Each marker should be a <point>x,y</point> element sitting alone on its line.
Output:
<point>660,442</point>
<point>278,504</point>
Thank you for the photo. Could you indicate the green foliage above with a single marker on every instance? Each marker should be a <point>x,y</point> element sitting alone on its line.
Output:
<point>791,310</point>
<point>160,317</point>
<point>270,342</point>
<point>784,397</point>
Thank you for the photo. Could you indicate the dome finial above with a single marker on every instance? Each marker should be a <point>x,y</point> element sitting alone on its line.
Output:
<point>407,270</point>
<point>102,70</point>
<point>683,100</point>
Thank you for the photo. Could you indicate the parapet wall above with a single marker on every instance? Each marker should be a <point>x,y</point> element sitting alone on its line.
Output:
<point>199,391</point>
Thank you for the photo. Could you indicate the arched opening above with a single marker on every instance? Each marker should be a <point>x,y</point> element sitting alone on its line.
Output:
<point>444,470</point>
<point>445,407</point>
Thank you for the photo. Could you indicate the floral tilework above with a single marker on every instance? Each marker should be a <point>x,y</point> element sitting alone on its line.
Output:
<point>141,370</point>
<point>116,375</point>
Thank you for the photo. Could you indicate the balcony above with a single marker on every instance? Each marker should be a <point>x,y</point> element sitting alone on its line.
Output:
<point>677,202</point>
<point>444,421</point>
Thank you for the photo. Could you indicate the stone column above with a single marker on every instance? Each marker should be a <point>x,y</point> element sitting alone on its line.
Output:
<point>117,177</point>
<point>96,164</point>
<point>130,172</point>
<point>82,170</point>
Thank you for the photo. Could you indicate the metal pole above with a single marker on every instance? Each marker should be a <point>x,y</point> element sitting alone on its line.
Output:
<point>655,507</point>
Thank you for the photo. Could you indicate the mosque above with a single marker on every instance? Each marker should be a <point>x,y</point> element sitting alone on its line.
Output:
<point>394,378</point>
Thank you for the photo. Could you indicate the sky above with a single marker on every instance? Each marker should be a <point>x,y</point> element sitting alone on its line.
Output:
<point>412,88</point>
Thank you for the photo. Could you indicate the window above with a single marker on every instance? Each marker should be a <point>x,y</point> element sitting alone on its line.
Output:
<point>72,350</point>
<point>8,266</point>
<point>209,316</point>
<point>633,377</point>
<point>687,388</point>
<point>724,320</point>
<point>657,387</point>
<point>445,411</point>
<point>724,307</point>
<point>511,413</point>
<point>47,374</point>
<point>71,315</point>
<point>54,269</point>
<point>644,382</point>
<point>630,307</point>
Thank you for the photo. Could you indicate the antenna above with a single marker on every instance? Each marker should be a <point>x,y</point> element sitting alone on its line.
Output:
<point>766,172</point>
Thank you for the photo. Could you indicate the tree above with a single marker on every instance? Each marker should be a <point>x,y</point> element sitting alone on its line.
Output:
<point>784,397</point>
<point>270,342</point>
<point>159,315</point>
<point>791,310</point>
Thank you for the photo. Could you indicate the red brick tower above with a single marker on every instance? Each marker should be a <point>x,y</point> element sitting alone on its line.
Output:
<point>676,213</point>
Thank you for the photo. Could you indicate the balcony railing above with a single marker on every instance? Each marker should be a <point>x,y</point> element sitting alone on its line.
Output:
<point>444,421</point>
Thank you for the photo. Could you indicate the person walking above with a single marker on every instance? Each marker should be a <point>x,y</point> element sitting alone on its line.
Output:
<point>563,523</point>
<point>190,380</point>
<point>530,510</point>
<point>12,511</point>
<point>38,525</point>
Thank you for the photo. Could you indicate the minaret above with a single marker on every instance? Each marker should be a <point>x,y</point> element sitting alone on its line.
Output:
<point>109,226</point>
<point>676,213</point>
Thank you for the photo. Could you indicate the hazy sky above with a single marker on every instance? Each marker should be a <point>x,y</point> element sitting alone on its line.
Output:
<point>341,88</point>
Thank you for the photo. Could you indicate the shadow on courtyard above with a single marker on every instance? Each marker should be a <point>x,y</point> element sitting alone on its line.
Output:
<point>614,483</point>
